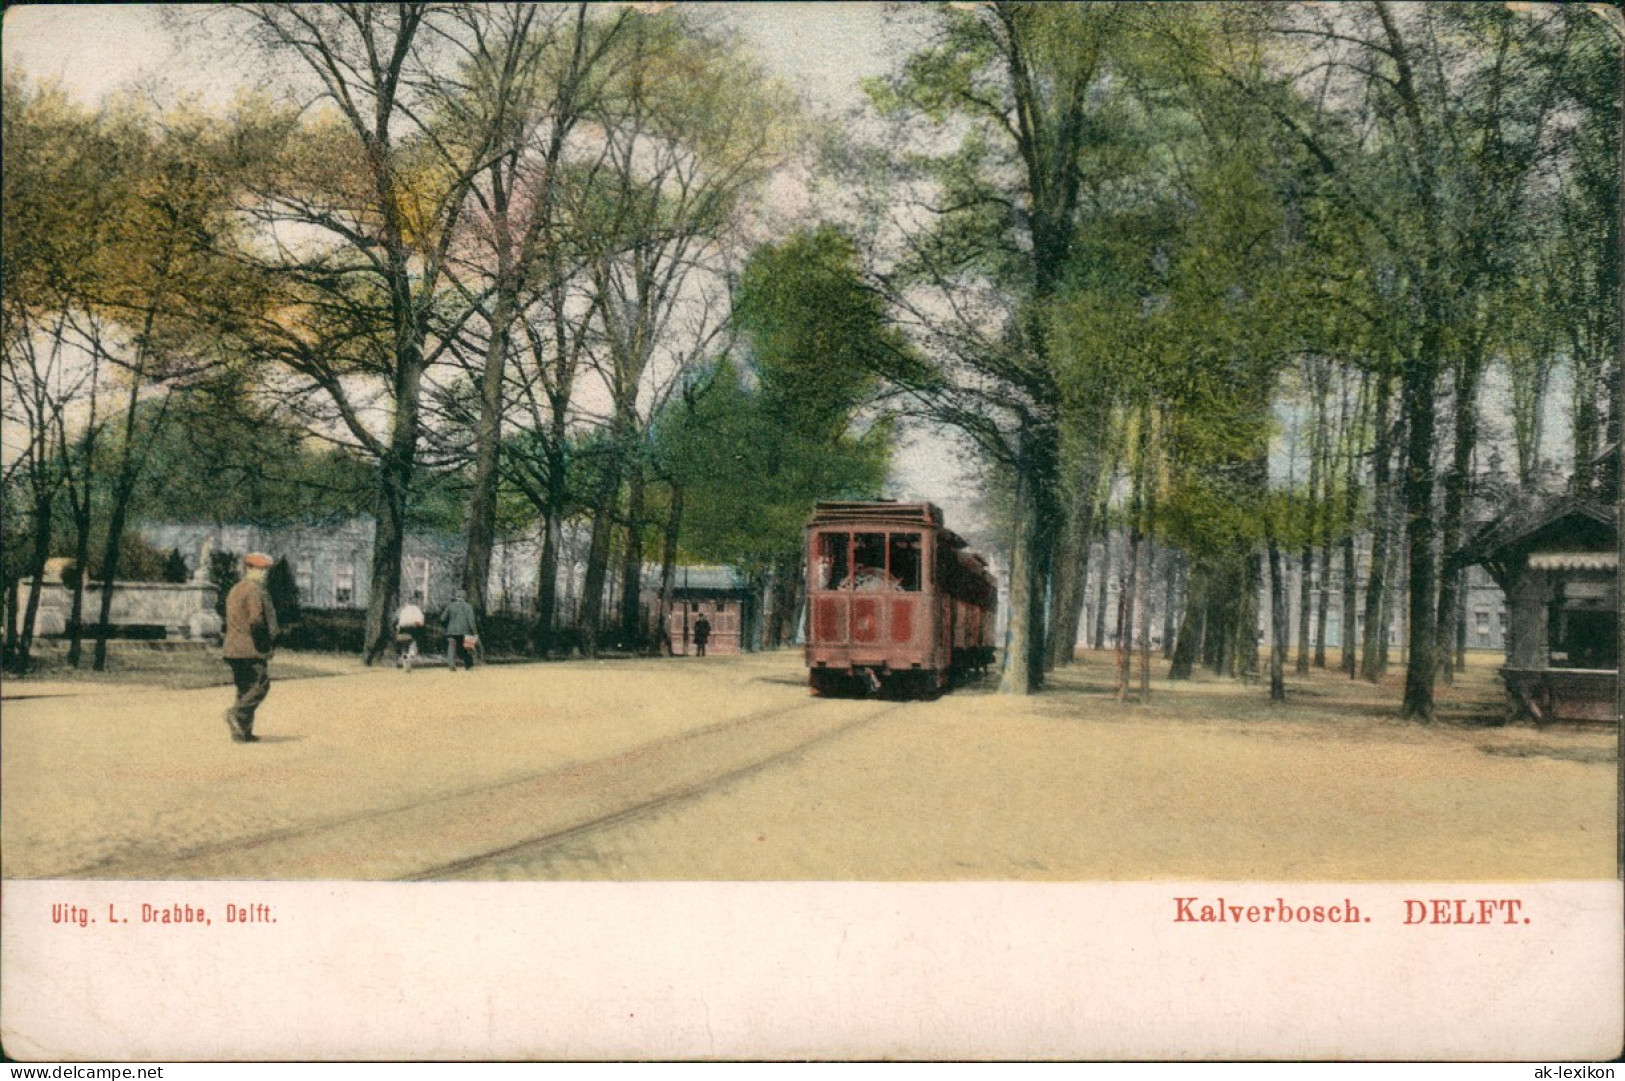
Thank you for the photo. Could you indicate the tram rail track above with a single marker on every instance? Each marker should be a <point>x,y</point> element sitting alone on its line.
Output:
<point>458,833</point>
<point>533,847</point>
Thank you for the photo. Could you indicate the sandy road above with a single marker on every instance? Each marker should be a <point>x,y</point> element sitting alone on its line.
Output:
<point>384,774</point>
<point>726,769</point>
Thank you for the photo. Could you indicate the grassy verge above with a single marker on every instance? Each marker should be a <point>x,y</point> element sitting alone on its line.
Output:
<point>171,665</point>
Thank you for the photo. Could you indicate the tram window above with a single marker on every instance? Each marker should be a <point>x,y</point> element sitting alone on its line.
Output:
<point>905,561</point>
<point>832,555</point>
<point>869,561</point>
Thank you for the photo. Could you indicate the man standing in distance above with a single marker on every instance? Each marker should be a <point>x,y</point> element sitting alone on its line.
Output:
<point>461,632</point>
<point>250,637</point>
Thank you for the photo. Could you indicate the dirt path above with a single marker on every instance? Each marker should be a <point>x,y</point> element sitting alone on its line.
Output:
<point>726,769</point>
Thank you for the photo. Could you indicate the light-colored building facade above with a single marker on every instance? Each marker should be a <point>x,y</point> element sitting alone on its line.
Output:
<point>331,561</point>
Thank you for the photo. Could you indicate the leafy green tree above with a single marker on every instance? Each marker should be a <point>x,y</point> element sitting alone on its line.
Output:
<point>115,218</point>
<point>753,441</point>
<point>59,187</point>
<point>1428,123</point>
<point>139,561</point>
<point>284,591</point>
<point>221,454</point>
<point>536,73</point>
<point>747,481</point>
<point>1014,87</point>
<point>818,340</point>
<point>691,135</point>
<point>223,573</point>
<point>163,290</point>
<point>375,194</point>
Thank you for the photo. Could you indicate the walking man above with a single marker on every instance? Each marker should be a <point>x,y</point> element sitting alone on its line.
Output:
<point>408,635</point>
<point>250,640</point>
<point>462,632</point>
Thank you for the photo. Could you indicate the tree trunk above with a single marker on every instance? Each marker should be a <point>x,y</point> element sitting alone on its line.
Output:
<point>1421,637</point>
<point>1458,490</point>
<point>1170,597</point>
<point>1351,503</point>
<point>129,470</point>
<point>1189,646</point>
<point>395,471</point>
<point>632,562</point>
<point>1306,600</point>
<point>1306,560</point>
<point>388,545</point>
<point>1588,386</point>
<point>1327,528</point>
<point>22,656</point>
<point>1063,587</point>
<point>480,528</point>
<point>1461,625</point>
<point>1145,622</point>
<point>1373,652</point>
<point>110,560</point>
<point>784,595</point>
<point>1351,597</point>
<point>81,562</point>
<point>1125,609</point>
<point>12,601</point>
<point>1102,583</point>
<point>1072,577</point>
<point>1131,590</point>
<point>547,586</point>
<point>668,567</point>
<point>590,606</point>
<point>1278,624</point>
<point>1246,654</point>
<point>794,584</point>
<point>1218,630</point>
<point>1252,580</point>
<point>1030,561</point>
<point>1323,597</point>
<point>547,574</point>
<point>1393,595</point>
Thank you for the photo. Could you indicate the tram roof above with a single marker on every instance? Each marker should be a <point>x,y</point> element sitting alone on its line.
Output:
<point>887,511</point>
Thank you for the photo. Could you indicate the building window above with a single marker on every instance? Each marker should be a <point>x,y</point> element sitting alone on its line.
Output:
<point>304,577</point>
<point>1482,620</point>
<point>343,583</point>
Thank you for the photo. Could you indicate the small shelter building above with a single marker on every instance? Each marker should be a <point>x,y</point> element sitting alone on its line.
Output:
<point>1557,560</point>
<point>722,597</point>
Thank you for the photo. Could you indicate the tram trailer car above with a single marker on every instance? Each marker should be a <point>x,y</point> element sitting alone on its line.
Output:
<point>896,603</point>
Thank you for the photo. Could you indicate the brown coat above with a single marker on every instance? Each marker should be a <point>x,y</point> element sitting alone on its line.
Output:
<point>250,622</point>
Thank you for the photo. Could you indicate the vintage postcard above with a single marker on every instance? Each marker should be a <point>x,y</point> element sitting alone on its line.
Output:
<point>711,531</point>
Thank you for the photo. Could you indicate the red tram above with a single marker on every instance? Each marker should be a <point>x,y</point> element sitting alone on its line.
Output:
<point>895,602</point>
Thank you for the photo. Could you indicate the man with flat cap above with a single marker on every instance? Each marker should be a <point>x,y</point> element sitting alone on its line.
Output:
<point>250,638</point>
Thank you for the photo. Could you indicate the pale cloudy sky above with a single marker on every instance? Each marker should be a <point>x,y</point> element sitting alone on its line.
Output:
<point>822,48</point>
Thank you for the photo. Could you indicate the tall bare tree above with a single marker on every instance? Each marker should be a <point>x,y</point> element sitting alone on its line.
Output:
<point>357,220</point>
